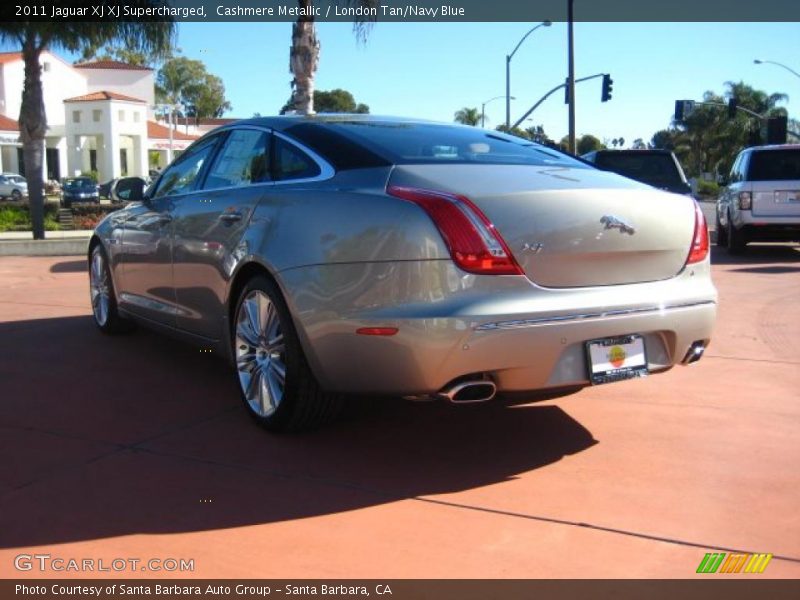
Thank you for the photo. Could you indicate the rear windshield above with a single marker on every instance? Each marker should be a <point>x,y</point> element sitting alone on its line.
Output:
<point>774,165</point>
<point>423,143</point>
<point>656,169</point>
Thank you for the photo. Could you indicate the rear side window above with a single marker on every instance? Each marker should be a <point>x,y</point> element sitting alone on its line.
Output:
<point>243,160</point>
<point>774,165</point>
<point>292,163</point>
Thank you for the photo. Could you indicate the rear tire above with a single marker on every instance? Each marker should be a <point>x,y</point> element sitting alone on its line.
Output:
<point>736,239</point>
<point>101,293</point>
<point>277,386</point>
<point>16,195</point>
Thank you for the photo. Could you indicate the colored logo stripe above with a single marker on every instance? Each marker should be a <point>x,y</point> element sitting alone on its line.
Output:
<point>734,563</point>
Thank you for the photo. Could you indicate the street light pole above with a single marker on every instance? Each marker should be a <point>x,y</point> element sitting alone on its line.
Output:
<point>508,69</point>
<point>571,76</point>
<point>483,107</point>
<point>772,62</point>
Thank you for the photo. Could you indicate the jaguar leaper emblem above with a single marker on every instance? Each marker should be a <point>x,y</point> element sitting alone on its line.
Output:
<point>612,222</point>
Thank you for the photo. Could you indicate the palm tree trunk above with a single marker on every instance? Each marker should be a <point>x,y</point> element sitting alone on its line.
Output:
<point>303,60</point>
<point>32,129</point>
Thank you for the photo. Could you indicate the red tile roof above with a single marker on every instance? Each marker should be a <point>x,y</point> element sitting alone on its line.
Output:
<point>7,57</point>
<point>204,121</point>
<point>95,96</point>
<point>159,132</point>
<point>111,64</point>
<point>7,124</point>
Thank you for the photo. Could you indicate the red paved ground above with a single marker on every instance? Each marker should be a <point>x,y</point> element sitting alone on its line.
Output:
<point>136,447</point>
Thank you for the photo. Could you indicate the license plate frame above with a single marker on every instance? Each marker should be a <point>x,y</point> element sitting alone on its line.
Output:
<point>630,350</point>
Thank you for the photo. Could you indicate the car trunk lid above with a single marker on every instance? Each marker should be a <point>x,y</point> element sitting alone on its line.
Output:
<point>572,227</point>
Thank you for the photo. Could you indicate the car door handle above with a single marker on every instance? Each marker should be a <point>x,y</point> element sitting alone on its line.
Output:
<point>230,217</point>
<point>163,219</point>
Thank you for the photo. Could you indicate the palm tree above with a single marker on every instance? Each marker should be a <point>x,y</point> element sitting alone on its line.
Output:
<point>304,53</point>
<point>34,37</point>
<point>468,116</point>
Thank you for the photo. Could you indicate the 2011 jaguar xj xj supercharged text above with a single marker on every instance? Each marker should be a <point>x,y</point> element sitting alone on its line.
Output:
<point>342,254</point>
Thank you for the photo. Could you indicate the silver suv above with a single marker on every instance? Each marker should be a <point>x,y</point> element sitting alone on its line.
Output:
<point>762,199</point>
<point>13,186</point>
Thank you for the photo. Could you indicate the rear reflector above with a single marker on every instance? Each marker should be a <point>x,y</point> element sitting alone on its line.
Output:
<point>474,243</point>
<point>699,249</point>
<point>377,330</point>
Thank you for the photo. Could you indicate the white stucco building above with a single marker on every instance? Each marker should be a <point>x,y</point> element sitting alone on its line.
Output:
<point>100,117</point>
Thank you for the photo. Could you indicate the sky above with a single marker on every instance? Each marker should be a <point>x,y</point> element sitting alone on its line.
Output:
<point>431,70</point>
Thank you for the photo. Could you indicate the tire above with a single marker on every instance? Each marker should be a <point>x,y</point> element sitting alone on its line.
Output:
<point>722,234</point>
<point>101,293</point>
<point>276,384</point>
<point>16,195</point>
<point>736,239</point>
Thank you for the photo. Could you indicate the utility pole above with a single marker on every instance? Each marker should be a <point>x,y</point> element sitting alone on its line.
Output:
<point>571,76</point>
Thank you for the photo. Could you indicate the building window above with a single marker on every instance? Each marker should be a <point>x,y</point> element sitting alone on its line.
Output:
<point>46,67</point>
<point>96,115</point>
<point>123,161</point>
<point>122,115</point>
<point>76,116</point>
<point>92,160</point>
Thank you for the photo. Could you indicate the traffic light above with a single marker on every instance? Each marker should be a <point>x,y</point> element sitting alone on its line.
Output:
<point>776,130</point>
<point>608,87</point>
<point>683,108</point>
<point>732,104</point>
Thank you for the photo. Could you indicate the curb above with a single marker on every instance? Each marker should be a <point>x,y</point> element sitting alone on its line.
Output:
<point>60,247</point>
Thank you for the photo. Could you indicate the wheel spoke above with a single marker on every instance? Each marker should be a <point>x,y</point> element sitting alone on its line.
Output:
<point>254,383</point>
<point>246,362</point>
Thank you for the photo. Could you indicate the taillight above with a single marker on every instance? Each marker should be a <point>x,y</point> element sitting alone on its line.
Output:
<point>699,249</point>
<point>474,243</point>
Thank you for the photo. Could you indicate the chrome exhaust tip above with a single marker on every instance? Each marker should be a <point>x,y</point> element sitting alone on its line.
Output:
<point>469,392</point>
<point>695,352</point>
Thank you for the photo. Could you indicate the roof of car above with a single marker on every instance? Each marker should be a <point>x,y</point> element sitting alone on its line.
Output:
<point>633,151</point>
<point>283,122</point>
<point>775,147</point>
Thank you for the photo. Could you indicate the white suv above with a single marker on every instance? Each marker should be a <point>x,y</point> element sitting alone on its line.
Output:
<point>13,186</point>
<point>762,200</point>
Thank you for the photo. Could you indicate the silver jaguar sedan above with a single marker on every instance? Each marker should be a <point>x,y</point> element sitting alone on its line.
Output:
<point>334,255</point>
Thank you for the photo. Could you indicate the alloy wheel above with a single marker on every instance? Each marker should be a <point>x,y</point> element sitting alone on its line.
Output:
<point>260,353</point>
<point>100,289</point>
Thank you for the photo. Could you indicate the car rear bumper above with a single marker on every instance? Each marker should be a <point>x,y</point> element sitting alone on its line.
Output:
<point>771,232</point>
<point>521,336</point>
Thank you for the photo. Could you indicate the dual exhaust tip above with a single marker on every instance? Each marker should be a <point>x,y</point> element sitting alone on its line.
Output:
<point>469,392</point>
<point>695,352</point>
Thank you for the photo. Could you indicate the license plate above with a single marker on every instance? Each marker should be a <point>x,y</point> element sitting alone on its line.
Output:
<point>615,359</point>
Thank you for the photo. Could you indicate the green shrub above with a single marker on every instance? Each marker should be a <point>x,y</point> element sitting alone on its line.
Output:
<point>18,218</point>
<point>707,188</point>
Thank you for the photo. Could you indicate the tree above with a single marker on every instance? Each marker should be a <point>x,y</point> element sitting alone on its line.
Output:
<point>304,53</point>
<point>183,80</point>
<point>588,143</point>
<point>334,101</point>
<point>638,144</point>
<point>468,116</point>
<point>151,36</point>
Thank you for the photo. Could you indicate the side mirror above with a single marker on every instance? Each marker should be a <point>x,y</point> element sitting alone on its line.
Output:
<point>130,189</point>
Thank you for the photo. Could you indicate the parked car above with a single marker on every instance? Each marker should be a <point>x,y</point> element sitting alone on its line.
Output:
<point>762,199</point>
<point>353,254</point>
<point>79,189</point>
<point>659,168</point>
<point>13,186</point>
<point>120,189</point>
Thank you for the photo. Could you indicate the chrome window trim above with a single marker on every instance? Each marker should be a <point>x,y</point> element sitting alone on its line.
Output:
<point>326,170</point>
<point>525,323</point>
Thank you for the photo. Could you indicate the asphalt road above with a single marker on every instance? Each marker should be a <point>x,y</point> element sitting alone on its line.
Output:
<point>136,447</point>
